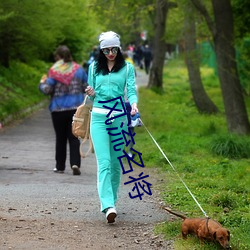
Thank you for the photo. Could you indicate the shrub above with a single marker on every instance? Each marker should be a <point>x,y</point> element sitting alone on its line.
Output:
<point>223,200</point>
<point>231,146</point>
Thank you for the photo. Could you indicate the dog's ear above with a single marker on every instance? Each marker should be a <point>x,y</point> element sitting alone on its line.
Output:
<point>228,237</point>
<point>214,235</point>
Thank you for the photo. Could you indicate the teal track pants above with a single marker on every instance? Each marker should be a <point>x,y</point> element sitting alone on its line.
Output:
<point>108,166</point>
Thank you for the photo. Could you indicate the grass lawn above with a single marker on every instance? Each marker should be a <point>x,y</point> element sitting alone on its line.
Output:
<point>214,164</point>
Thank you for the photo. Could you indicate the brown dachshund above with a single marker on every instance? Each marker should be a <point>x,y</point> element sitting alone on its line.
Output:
<point>204,229</point>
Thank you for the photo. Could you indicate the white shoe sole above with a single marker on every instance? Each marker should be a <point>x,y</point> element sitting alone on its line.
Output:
<point>111,215</point>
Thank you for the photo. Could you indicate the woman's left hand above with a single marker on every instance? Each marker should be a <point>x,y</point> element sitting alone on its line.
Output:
<point>134,109</point>
<point>90,91</point>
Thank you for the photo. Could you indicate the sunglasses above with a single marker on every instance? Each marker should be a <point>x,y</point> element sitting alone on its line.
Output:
<point>106,51</point>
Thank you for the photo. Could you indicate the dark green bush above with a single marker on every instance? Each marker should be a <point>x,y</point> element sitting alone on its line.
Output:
<point>231,146</point>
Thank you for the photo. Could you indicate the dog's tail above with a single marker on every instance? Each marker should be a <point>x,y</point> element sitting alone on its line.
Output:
<point>175,213</point>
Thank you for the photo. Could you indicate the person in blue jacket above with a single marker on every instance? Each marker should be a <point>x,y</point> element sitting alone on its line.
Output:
<point>108,77</point>
<point>65,83</point>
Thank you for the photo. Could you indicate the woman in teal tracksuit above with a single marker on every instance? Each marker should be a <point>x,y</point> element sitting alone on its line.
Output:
<point>108,77</point>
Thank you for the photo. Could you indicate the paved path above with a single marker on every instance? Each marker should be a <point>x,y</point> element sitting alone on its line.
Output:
<point>26,163</point>
<point>30,189</point>
<point>141,78</point>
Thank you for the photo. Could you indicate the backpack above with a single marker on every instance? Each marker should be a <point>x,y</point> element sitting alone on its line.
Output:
<point>81,126</point>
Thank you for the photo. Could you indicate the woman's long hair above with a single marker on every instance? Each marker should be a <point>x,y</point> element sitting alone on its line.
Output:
<point>63,52</point>
<point>102,67</point>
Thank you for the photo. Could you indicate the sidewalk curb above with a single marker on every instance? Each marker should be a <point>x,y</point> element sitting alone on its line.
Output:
<point>22,114</point>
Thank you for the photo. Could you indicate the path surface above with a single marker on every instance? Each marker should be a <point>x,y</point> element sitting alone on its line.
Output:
<point>40,209</point>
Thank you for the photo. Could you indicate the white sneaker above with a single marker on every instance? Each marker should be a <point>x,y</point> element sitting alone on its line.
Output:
<point>76,170</point>
<point>111,214</point>
<point>58,171</point>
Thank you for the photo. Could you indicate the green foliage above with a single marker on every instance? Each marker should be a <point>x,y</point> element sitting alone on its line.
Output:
<point>175,28</point>
<point>29,33</point>
<point>128,18</point>
<point>19,87</point>
<point>219,183</point>
<point>175,25</point>
<point>243,59</point>
<point>241,17</point>
<point>224,200</point>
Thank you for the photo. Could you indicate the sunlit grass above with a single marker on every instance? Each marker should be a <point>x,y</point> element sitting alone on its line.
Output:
<point>19,87</point>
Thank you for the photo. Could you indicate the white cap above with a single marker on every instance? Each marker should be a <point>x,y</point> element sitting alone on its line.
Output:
<point>109,39</point>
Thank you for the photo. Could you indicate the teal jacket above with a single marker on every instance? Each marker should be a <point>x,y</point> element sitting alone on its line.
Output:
<point>113,85</point>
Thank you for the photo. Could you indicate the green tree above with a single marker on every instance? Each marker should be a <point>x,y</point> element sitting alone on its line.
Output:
<point>156,72</point>
<point>126,17</point>
<point>28,33</point>
<point>25,31</point>
<point>201,99</point>
<point>241,18</point>
<point>242,34</point>
<point>221,27</point>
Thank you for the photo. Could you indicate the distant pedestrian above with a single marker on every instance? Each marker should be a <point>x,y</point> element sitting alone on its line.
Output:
<point>138,56</point>
<point>93,55</point>
<point>107,82</point>
<point>65,84</point>
<point>147,54</point>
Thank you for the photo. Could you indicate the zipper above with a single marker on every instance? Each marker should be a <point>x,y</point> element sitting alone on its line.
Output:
<point>109,88</point>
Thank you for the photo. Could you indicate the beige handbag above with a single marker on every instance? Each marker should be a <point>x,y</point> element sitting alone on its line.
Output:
<point>81,126</point>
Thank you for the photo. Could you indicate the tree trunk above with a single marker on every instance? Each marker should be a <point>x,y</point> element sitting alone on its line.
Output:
<point>159,47</point>
<point>235,109</point>
<point>223,38</point>
<point>201,99</point>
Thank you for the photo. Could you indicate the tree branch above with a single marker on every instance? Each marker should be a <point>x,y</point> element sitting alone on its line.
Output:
<point>202,9</point>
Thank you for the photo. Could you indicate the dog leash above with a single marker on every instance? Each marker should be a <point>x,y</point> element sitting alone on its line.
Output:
<point>175,170</point>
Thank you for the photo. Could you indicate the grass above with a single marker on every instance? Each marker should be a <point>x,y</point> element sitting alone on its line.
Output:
<point>19,88</point>
<point>214,164</point>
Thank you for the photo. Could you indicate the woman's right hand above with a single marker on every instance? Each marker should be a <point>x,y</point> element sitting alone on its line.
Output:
<point>43,79</point>
<point>90,91</point>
